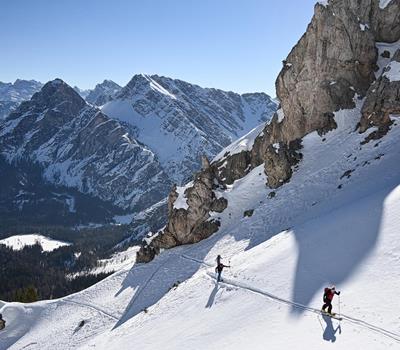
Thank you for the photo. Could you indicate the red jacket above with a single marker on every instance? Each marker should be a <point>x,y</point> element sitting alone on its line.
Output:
<point>329,294</point>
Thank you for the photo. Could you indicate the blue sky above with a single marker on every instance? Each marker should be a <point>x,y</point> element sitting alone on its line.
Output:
<point>234,45</point>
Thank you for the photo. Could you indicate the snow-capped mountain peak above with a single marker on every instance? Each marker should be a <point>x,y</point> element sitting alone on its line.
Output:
<point>103,92</point>
<point>182,121</point>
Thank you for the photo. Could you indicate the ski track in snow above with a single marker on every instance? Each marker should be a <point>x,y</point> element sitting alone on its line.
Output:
<point>240,284</point>
<point>93,307</point>
<point>278,253</point>
<point>353,320</point>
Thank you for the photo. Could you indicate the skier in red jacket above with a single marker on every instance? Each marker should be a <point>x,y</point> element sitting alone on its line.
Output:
<point>329,293</point>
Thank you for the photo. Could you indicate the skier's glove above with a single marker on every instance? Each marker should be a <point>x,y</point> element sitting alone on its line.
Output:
<point>338,293</point>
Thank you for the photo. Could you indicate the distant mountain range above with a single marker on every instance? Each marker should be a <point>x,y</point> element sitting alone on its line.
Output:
<point>123,156</point>
<point>12,94</point>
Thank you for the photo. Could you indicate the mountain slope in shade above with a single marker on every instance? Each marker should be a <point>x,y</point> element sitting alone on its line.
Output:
<point>12,94</point>
<point>79,147</point>
<point>180,121</point>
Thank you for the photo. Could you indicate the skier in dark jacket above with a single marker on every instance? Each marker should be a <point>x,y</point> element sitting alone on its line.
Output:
<point>2,322</point>
<point>219,268</point>
<point>329,293</point>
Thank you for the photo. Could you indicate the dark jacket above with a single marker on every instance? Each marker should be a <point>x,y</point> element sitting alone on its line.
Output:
<point>329,294</point>
<point>220,267</point>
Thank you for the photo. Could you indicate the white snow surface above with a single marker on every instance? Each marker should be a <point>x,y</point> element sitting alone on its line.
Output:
<point>18,242</point>
<point>311,234</point>
<point>384,3</point>
<point>116,262</point>
<point>393,74</point>
<point>383,61</point>
<point>323,2</point>
<point>181,201</point>
<point>245,143</point>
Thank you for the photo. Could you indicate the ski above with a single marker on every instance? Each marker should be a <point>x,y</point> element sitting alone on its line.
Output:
<point>332,315</point>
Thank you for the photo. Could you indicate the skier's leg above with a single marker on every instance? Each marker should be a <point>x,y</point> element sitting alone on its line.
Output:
<point>330,308</point>
<point>219,276</point>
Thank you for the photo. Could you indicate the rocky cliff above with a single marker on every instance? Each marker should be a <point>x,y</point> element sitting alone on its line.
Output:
<point>350,52</point>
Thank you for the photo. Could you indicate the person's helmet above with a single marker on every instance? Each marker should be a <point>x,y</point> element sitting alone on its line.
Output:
<point>333,287</point>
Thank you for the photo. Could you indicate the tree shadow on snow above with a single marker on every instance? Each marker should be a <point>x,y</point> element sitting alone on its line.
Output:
<point>331,247</point>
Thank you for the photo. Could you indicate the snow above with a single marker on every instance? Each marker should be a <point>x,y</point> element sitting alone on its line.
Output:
<point>323,2</point>
<point>311,234</point>
<point>123,219</point>
<point>181,201</point>
<point>384,3</point>
<point>18,242</point>
<point>116,262</point>
<point>393,71</point>
<point>364,26</point>
<point>382,61</point>
<point>280,115</point>
<point>157,87</point>
<point>245,143</point>
<point>180,122</point>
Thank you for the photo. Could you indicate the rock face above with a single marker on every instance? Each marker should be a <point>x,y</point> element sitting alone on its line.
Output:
<point>334,61</point>
<point>103,93</point>
<point>351,49</point>
<point>191,224</point>
<point>383,99</point>
<point>12,94</point>
<point>181,122</point>
<point>79,147</point>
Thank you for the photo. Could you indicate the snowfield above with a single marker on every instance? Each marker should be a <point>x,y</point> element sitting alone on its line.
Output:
<point>18,242</point>
<point>336,221</point>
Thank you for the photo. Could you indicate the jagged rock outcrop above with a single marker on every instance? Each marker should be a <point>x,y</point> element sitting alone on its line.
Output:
<point>383,100</point>
<point>187,224</point>
<point>335,62</point>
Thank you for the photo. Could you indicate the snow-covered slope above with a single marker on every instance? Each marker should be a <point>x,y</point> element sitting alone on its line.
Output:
<point>336,221</point>
<point>12,94</point>
<point>18,242</point>
<point>180,121</point>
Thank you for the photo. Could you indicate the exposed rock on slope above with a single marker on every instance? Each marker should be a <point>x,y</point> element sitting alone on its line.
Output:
<point>334,63</point>
<point>187,221</point>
